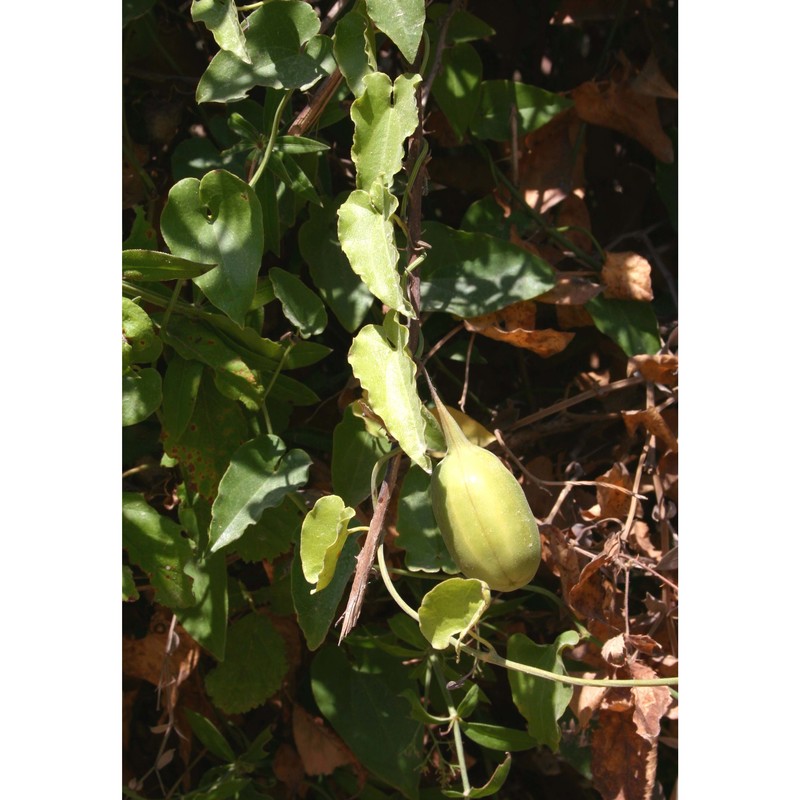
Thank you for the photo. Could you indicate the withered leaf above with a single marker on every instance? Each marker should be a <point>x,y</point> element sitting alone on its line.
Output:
<point>594,597</point>
<point>654,423</point>
<point>627,277</point>
<point>650,702</point>
<point>586,700</point>
<point>614,504</point>
<point>563,560</point>
<point>571,289</point>
<point>661,368</point>
<point>320,749</point>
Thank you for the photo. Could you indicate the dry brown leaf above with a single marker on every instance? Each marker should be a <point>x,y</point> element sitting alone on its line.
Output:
<point>614,651</point>
<point>515,325</point>
<point>571,289</point>
<point>642,542</point>
<point>654,423</point>
<point>595,598</point>
<point>650,702</point>
<point>551,163</point>
<point>627,277</point>
<point>614,504</point>
<point>561,558</point>
<point>651,81</point>
<point>573,317</point>
<point>615,104</point>
<point>288,769</point>
<point>623,763</point>
<point>661,368</point>
<point>586,700</point>
<point>668,470</point>
<point>573,213</point>
<point>320,749</point>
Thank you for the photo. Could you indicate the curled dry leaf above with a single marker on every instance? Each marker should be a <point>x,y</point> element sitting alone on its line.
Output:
<point>320,749</point>
<point>586,700</point>
<point>616,104</point>
<point>641,540</point>
<point>573,317</point>
<point>650,702</point>
<point>597,599</point>
<point>615,651</point>
<point>551,163</point>
<point>627,277</point>
<point>651,81</point>
<point>515,325</point>
<point>561,559</point>
<point>661,368</point>
<point>614,504</point>
<point>654,423</point>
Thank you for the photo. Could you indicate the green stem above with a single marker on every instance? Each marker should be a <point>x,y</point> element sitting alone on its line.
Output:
<point>273,135</point>
<point>453,712</point>
<point>171,304</point>
<point>499,661</point>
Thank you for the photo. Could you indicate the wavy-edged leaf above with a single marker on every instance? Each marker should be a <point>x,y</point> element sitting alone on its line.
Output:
<point>384,117</point>
<point>452,608</point>
<point>322,538</point>
<point>366,233</point>
<point>260,475</point>
<point>541,702</point>
<point>300,305</point>
<point>284,51</point>
<point>469,274</point>
<point>402,22</point>
<point>155,544</point>
<point>153,265</point>
<point>141,395</point>
<point>254,666</point>
<point>354,47</point>
<point>222,19</point>
<point>380,360</point>
<point>218,220</point>
<point>535,107</point>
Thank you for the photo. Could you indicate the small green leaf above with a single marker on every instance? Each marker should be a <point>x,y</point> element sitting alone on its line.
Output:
<point>495,783</point>
<point>129,590</point>
<point>300,305</point>
<point>469,274</point>
<point>535,107</point>
<point>354,47</point>
<point>260,475</point>
<point>380,360</point>
<point>469,702</point>
<point>384,117</point>
<point>222,19</point>
<point>456,87</point>
<point>218,220</point>
<point>209,735</point>
<point>207,621</point>
<point>355,453</point>
<point>402,22</point>
<point>540,701</point>
<point>366,234</point>
<point>288,170</point>
<point>141,395</point>
<point>283,54</point>
<point>181,385</point>
<point>419,713</point>
<point>298,145</point>
<point>463,27</point>
<point>343,291</point>
<point>322,538</point>
<point>140,343</point>
<point>496,737</point>
<point>152,265</point>
<point>452,607</point>
<point>154,542</point>
<point>316,610</point>
<point>418,533</point>
<point>632,324</point>
<point>254,666</point>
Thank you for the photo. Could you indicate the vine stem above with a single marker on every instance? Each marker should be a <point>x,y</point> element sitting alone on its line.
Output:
<point>273,135</point>
<point>456,727</point>
<point>499,661</point>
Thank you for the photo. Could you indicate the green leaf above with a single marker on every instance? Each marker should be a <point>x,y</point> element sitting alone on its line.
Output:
<point>535,107</point>
<point>254,666</point>
<point>139,340</point>
<point>452,607</point>
<point>298,145</point>
<point>195,341</point>
<point>260,475</point>
<point>181,385</point>
<point>209,735</point>
<point>384,117</point>
<point>282,53</point>
<point>288,170</point>
<point>218,220</point>
<point>300,305</point>
<point>143,235</point>
<point>470,702</point>
<point>456,88</point>
<point>272,535</point>
<point>355,453</point>
<point>540,701</point>
<point>366,233</point>
<point>354,47</point>
<point>418,532</point>
<point>380,360</point>
<point>193,158</point>
<point>141,395</point>
<point>369,713</point>
<point>152,265</point>
<point>401,21</point>
<point>469,274</point>
<point>344,292</point>
<point>464,27</point>
<point>496,737</point>
<point>632,324</point>
<point>154,543</point>
<point>204,448</point>
<point>129,590</point>
<point>222,19</point>
<point>207,621</point>
<point>495,783</point>
<point>322,538</point>
<point>267,191</point>
<point>316,610</point>
<point>418,712</point>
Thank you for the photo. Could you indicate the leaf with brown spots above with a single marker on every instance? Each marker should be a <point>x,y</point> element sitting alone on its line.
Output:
<point>626,277</point>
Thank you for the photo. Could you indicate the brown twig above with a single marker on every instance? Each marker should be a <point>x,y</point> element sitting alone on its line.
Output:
<point>366,558</point>
<point>310,114</point>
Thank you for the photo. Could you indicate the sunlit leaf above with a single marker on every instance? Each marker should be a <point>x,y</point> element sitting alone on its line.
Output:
<point>300,305</point>
<point>354,47</point>
<point>322,538</point>
<point>402,22</point>
<point>222,19</point>
<point>452,608</point>
<point>456,88</point>
<point>139,340</point>
<point>152,265</point>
